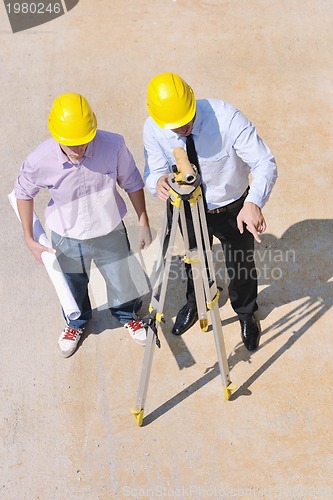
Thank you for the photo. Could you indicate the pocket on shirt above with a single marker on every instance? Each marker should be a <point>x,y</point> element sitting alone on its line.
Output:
<point>215,166</point>
<point>104,182</point>
<point>218,160</point>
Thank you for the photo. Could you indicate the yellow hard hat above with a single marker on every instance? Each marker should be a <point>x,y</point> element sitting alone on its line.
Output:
<point>170,101</point>
<point>71,120</point>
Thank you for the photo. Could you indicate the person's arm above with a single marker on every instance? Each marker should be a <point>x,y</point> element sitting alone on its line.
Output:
<point>255,153</point>
<point>129,179</point>
<point>251,215</point>
<point>138,201</point>
<point>156,169</point>
<point>25,209</point>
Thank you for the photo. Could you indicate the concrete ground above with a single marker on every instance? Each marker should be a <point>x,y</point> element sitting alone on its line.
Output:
<point>66,430</point>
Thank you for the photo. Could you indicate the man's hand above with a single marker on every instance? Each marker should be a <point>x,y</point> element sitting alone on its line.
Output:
<point>145,237</point>
<point>37,249</point>
<point>252,216</point>
<point>162,188</point>
<point>138,201</point>
<point>25,210</point>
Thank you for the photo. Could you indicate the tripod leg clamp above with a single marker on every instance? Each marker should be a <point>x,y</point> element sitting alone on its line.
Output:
<point>212,303</point>
<point>160,317</point>
<point>188,260</point>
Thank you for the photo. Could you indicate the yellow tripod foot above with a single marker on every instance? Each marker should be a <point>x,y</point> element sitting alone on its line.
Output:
<point>138,415</point>
<point>203,324</point>
<point>228,390</point>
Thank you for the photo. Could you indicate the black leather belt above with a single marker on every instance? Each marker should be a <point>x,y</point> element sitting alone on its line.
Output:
<point>232,205</point>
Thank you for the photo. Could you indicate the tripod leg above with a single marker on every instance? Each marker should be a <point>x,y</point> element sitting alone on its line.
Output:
<point>228,386</point>
<point>192,258</point>
<point>159,264</point>
<point>138,410</point>
<point>212,293</point>
<point>156,315</point>
<point>204,229</point>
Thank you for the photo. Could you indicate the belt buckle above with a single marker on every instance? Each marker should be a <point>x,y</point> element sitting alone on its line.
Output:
<point>217,210</point>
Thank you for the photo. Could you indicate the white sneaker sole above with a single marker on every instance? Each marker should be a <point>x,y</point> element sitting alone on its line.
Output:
<point>66,354</point>
<point>140,341</point>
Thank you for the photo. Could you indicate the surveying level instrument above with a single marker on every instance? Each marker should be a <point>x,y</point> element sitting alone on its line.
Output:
<point>185,187</point>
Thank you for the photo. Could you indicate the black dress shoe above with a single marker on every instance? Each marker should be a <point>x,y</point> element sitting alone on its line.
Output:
<point>251,333</point>
<point>187,316</point>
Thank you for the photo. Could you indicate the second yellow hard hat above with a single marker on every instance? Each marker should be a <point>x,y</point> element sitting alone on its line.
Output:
<point>170,101</point>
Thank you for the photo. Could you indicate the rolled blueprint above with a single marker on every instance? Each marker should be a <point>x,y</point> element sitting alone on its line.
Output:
<point>52,267</point>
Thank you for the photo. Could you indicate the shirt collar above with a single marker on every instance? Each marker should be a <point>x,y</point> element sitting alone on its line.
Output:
<point>64,160</point>
<point>90,149</point>
<point>197,121</point>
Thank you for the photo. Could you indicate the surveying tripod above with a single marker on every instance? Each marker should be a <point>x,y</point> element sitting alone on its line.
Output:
<point>185,187</point>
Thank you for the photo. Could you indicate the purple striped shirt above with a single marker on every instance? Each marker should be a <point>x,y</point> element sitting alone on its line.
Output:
<point>84,199</point>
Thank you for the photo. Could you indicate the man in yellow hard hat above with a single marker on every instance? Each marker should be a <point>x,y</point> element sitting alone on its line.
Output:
<point>226,149</point>
<point>81,167</point>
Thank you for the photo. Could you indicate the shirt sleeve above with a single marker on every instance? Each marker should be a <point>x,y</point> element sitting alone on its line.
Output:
<point>156,163</point>
<point>128,175</point>
<point>26,185</point>
<point>256,154</point>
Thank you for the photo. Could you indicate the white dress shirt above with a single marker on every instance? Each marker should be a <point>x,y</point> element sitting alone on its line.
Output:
<point>228,148</point>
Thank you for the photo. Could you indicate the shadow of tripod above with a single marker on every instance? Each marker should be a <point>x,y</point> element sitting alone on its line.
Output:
<point>296,267</point>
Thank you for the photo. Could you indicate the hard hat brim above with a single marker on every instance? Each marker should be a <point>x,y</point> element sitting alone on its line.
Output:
<point>74,141</point>
<point>175,124</point>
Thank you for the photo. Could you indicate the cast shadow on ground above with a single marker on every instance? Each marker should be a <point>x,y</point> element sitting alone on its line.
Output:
<point>296,268</point>
<point>102,319</point>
